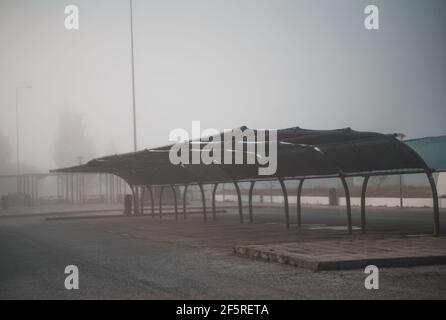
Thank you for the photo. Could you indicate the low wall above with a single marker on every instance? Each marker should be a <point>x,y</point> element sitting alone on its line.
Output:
<point>355,201</point>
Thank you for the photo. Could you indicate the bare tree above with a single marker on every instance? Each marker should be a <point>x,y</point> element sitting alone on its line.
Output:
<point>5,153</point>
<point>72,141</point>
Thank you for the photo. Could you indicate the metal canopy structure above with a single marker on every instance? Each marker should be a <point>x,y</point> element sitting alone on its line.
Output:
<point>301,154</point>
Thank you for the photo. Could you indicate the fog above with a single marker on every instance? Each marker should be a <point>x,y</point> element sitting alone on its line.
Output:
<point>226,63</point>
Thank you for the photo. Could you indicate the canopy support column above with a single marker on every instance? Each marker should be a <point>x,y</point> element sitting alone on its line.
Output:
<point>347,203</point>
<point>152,203</point>
<point>363,196</point>
<point>184,201</point>
<point>436,209</point>
<point>299,203</point>
<point>175,201</point>
<point>239,196</point>
<point>214,211</point>
<point>251,216</point>
<point>134,190</point>
<point>161,201</point>
<point>141,200</point>
<point>203,199</point>
<point>285,201</point>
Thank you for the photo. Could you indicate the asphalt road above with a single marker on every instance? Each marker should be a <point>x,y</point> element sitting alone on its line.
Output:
<point>145,258</point>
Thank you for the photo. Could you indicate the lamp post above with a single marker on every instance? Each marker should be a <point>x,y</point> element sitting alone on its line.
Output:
<point>133,77</point>
<point>17,132</point>
<point>17,123</point>
<point>135,146</point>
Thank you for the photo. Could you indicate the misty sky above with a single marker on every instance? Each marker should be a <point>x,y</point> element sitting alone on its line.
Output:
<point>227,63</point>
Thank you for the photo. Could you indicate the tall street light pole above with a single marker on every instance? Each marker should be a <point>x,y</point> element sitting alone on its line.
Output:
<point>133,78</point>
<point>135,146</point>
<point>17,123</point>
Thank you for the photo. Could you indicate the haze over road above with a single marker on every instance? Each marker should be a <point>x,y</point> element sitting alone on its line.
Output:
<point>142,258</point>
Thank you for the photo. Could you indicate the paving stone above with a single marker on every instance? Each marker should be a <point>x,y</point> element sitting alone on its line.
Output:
<point>341,254</point>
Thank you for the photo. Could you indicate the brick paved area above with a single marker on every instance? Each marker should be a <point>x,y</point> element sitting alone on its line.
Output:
<point>338,254</point>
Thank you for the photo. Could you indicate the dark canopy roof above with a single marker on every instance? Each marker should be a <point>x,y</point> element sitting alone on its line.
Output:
<point>300,153</point>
